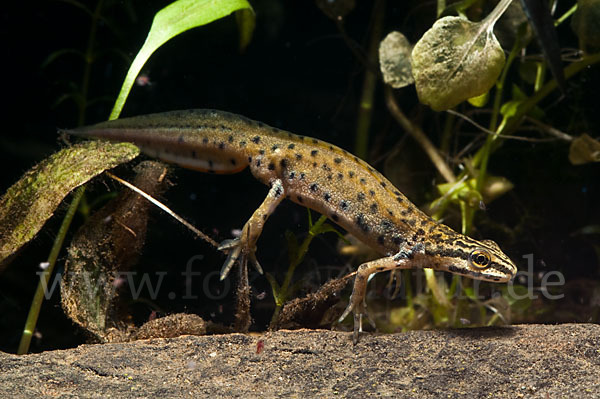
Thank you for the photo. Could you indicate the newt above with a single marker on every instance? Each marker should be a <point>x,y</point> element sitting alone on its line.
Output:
<point>315,174</point>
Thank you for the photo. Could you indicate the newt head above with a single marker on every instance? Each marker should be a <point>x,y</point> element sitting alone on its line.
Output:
<point>481,260</point>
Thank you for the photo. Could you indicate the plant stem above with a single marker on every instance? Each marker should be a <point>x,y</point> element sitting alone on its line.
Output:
<point>481,158</point>
<point>487,148</point>
<point>447,133</point>
<point>38,298</point>
<point>418,135</point>
<point>88,60</point>
<point>565,15</point>
<point>283,293</point>
<point>532,101</point>
<point>365,109</point>
<point>496,13</point>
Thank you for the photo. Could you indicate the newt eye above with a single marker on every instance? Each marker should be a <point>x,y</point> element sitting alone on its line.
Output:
<point>480,258</point>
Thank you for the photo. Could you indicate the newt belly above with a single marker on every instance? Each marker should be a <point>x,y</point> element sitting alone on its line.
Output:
<point>315,174</point>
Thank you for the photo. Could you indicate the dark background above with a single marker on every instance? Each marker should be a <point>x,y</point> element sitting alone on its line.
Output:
<point>297,74</point>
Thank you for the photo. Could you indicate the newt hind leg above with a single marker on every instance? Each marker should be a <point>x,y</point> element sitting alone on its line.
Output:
<point>243,248</point>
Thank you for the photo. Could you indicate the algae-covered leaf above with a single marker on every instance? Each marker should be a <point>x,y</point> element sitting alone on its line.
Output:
<point>176,18</point>
<point>457,59</point>
<point>105,247</point>
<point>394,60</point>
<point>33,199</point>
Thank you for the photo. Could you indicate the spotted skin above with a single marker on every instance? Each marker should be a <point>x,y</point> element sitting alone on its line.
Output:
<point>315,174</point>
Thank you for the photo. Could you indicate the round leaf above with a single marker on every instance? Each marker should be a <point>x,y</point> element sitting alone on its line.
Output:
<point>455,60</point>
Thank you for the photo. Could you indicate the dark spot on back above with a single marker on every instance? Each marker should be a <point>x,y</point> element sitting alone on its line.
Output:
<point>230,138</point>
<point>313,187</point>
<point>373,207</point>
<point>360,196</point>
<point>337,160</point>
<point>300,200</point>
<point>271,166</point>
<point>283,163</point>
<point>255,139</point>
<point>291,146</point>
<point>334,217</point>
<point>344,205</point>
<point>386,224</point>
<point>298,156</point>
<point>362,223</point>
<point>314,153</point>
<point>380,240</point>
<point>327,197</point>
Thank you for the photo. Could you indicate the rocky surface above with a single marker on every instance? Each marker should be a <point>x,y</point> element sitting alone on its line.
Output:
<point>518,361</point>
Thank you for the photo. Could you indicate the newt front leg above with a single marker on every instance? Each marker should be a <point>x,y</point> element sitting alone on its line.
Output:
<point>413,258</point>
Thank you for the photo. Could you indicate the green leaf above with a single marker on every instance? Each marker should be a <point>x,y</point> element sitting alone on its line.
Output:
<point>31,201</point>
<point>173,20</point>
<point>457,59</point>
<point>480,101</point>
<point>246,22</point>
